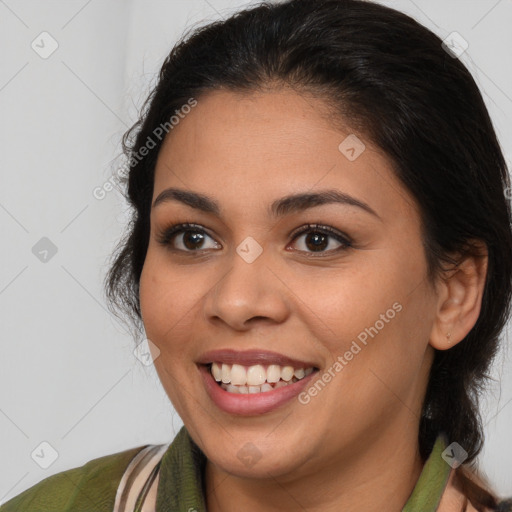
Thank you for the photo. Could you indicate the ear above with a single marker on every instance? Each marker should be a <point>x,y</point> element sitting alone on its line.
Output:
<point>460,291</point>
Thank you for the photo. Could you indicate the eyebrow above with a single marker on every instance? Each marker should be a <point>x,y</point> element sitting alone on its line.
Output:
<point>284,206</point>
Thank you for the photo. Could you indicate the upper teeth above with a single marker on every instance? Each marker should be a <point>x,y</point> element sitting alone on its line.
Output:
<point>256,375</point>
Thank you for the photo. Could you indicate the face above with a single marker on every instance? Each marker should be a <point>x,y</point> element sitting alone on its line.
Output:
<point>293,314</point>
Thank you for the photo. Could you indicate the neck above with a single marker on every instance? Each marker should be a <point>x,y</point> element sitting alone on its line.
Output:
<point>381,477</point>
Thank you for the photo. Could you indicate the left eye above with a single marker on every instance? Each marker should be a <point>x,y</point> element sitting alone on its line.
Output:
<point>316,239</point>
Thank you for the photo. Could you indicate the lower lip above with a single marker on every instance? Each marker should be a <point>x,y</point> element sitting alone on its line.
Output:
<point>250,404</point>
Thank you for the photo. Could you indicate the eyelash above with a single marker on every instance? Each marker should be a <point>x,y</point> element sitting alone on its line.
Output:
<point>166,236</point>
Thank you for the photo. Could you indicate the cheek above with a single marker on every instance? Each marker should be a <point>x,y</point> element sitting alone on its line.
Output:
<point>345,301</point>
<point>152,295</point>
<point>382,306</point>
<point>167,300</point>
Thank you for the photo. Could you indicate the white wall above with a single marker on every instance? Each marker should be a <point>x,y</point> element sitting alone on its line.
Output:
<point>68,374</point>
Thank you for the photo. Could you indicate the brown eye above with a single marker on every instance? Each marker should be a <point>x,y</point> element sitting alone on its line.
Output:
<point>187,238</point>
<point>320,240</point>
<point>316,241</point>
<point>192,239</point>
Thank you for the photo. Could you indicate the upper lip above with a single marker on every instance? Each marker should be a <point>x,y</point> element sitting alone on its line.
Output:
<point>251,358</point>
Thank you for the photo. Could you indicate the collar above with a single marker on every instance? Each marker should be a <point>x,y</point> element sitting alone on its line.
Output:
<point>429,488</point>
<point>181,485</point>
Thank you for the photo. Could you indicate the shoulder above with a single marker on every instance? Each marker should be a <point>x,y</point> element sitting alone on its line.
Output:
<point>89,487</point>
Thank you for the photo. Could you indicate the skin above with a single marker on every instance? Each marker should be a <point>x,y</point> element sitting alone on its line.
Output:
<point>354,446</point>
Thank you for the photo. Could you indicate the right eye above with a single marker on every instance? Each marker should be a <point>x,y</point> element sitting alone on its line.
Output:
<point>186,238</point>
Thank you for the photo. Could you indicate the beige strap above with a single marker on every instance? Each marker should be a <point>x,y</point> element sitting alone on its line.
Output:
<point>135,480</point>
<point>150,501</point>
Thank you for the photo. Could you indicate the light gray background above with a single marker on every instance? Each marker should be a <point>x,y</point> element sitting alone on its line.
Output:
<point>68,373</point>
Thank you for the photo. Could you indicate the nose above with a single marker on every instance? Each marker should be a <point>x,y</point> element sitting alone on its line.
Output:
<point>247,294</point>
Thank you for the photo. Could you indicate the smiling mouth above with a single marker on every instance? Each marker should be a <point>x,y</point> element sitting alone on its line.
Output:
<point>240,379</point>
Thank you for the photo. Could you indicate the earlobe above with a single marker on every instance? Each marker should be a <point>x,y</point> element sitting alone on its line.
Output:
<point>460,293</point>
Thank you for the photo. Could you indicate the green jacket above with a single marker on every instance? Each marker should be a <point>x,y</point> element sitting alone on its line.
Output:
<point>92,487</point>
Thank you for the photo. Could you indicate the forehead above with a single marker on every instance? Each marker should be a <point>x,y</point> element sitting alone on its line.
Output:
<point>254,147</point>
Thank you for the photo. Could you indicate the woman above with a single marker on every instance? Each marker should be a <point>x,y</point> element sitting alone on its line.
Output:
<point>321,258</point>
